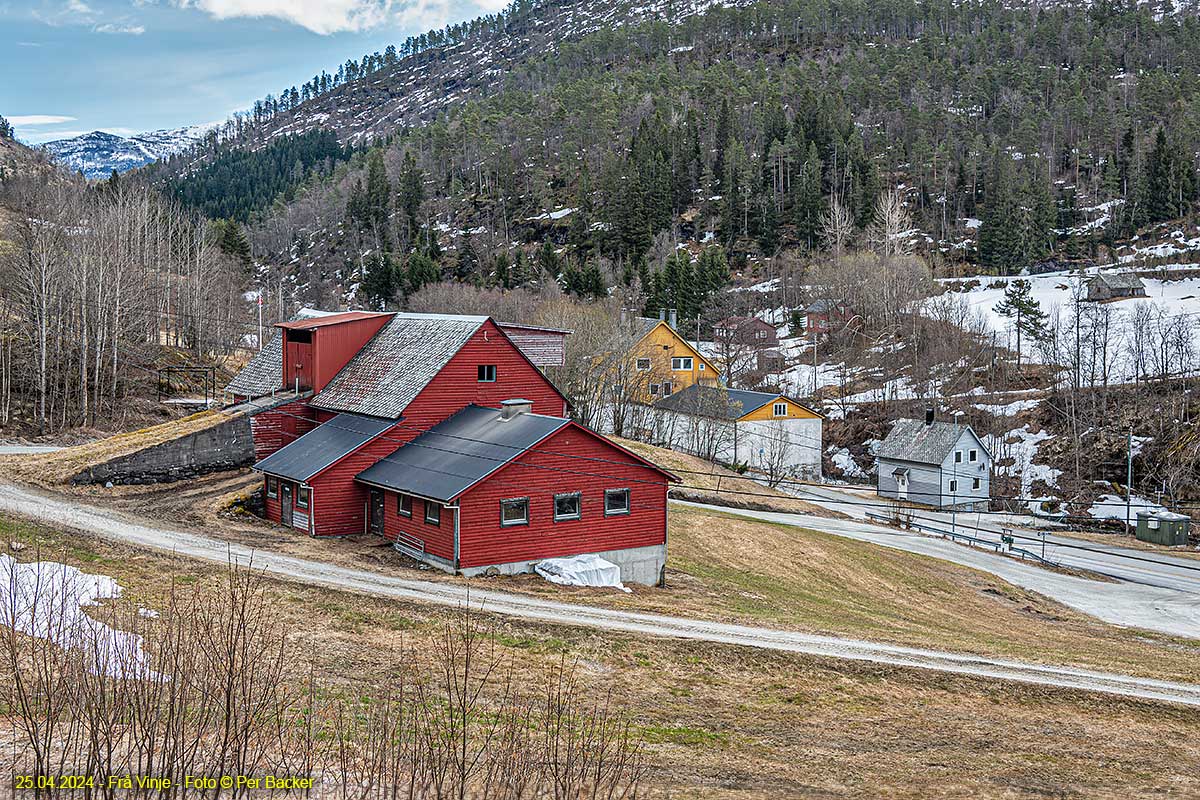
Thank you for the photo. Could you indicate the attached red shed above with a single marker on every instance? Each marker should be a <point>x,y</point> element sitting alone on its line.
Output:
<point>500,489</point>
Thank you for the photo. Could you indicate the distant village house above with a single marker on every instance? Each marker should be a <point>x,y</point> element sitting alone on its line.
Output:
<point>939,464</point>
<point>1114,286</point>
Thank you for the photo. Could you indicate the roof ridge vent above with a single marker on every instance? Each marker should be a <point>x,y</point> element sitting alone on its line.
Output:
<point>515,407</point>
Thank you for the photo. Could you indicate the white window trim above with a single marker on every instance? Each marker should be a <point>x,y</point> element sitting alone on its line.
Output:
<point>515,522</point>
<point>400,512</point>
<point>272,487</point>
<point>976,483</point>
<point>973,456</point>
<point>654,387</point>
<point>775,412</point>
<point>953,486</point>
<point>638,365</point>
<point>485,368</point>
<point>691,363</point>
<point>300,487</point>
<point>578,507</point>
<point>437,523</point>
<point>628,502</point>
<point>958,456</point>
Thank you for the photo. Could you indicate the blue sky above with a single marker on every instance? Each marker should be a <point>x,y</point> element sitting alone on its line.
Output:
<point>126,66</point>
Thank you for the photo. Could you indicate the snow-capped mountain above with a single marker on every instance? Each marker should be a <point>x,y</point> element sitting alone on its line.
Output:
<point>97,154</point>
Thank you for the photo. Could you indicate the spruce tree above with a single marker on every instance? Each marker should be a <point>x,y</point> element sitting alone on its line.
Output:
<point>1020,306</point>
<point>421,272</point>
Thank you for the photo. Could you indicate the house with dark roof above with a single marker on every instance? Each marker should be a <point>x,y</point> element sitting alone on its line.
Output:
<point>769,432</point>
<point>933,463</point>
<point>1106,286</point>
<point>825,316</point>
<point>387,412</point>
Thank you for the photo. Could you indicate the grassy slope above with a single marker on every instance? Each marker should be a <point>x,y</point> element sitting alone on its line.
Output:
<point>735,723</point>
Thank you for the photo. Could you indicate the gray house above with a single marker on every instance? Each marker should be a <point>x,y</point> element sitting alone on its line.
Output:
<point>940,464</point>
<point>1114,286</point>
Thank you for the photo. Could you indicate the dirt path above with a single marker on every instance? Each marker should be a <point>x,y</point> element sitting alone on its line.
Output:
<point>115,526</point>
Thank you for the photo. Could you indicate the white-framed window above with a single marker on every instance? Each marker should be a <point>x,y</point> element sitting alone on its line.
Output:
<point>514,511</point>
<point>654,387</point>
<point>681,363</point>
<point>760,334</point>
<point>567,506</point>
<point>643,365</point>
<point>779,410</point>
<point>973,456</point>
<point>667,388</point>
<point>272,487</point>
<point>616,501</point>
<point>976,483</point>
<point>433,513</point>
<point>953,487</point>
<point>404,505</point>
<point>701,366</point>
<point>302,496</point>
<point>487,373</point>
<point>958,456</point>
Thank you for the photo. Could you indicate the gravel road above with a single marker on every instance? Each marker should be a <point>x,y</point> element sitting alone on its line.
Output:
<point>112,525</point>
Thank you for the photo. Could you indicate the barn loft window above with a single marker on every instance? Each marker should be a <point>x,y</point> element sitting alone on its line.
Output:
<point>514,511</point>
<point>973,456</point>
<point>433,513</point>
<point>404,505</point>
<point>643,365</point>
<point>272,487</point>
<point>487,373</point>
<point>302,496</point>
<point>779,410</point>
<point>681,363</point>
<point>616,501</point>
<point>566,506</point>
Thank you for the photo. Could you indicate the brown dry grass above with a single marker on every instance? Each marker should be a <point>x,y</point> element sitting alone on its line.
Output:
<point>50,469</point>
<point>705,482</point>
<point>727,722</point>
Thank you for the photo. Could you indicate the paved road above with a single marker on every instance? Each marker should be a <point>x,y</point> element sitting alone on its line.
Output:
<point>1160,570</point>
<point>18,449</point>
<point>113,525</point>
<point>1164,609</point>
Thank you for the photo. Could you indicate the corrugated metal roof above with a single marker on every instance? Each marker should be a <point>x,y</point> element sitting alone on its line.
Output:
<point>264,373</point>
<point>335,318</point>
<point>322,446</point>
<point>713,401</point>
<point>392,368</point>
<point>452,456</point>
<point>913,440</point>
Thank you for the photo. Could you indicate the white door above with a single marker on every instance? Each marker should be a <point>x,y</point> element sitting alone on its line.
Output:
<point>902,486</point>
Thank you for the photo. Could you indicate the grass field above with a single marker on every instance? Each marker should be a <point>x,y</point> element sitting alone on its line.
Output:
<point>728,722</point>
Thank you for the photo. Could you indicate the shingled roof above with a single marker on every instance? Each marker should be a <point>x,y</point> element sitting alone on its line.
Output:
<point>264,373</point>
<point>391,369</point>
<point>454,455</point>
<point>1119,280</point>
<point>913,440</point>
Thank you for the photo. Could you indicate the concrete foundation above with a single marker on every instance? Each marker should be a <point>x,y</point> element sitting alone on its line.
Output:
<point>225,446</point>
<point>641,565</point>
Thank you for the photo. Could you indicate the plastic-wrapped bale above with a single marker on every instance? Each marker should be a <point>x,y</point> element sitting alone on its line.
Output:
<point>585,570</point>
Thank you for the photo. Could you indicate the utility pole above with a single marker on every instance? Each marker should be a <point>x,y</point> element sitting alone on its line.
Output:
<point>1128,479</point>
<point>814,393</point>
<point>260,341</point>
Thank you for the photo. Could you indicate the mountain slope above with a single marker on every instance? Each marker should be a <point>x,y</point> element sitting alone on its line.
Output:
<point>97,154</point>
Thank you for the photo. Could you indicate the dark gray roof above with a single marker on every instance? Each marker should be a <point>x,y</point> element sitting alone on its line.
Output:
<point>392,368</point>
<point>264,373</point>
<point>821,306</point>
<point>643,325</point>
<point>1119,280</point>
<point>715,401</point>
<point>454,455</point>
<point>322,446</point>
<point>913,440</point>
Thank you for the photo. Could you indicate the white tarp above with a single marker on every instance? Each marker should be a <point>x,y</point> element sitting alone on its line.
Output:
<point>46,599</point>
<point>589,570</point>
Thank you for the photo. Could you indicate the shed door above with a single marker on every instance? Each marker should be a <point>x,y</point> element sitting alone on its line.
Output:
<point>902,486</point>
<point>377,506</point>
<point>285,503</point>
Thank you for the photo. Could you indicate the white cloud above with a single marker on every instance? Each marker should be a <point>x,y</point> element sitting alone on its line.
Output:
<point>116,27</point>
<point>319,16</point>
<point>78,7</point>
<point>39,119</point>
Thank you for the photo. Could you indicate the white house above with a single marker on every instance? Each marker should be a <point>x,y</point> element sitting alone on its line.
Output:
<point>939,464</point>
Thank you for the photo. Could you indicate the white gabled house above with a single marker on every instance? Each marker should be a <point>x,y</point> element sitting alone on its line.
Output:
<point>939,464</point>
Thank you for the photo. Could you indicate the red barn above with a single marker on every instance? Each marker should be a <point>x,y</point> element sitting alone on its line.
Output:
<point>499,490</point>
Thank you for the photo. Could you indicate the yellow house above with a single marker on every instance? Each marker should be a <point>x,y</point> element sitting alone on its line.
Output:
<point>662,362</point>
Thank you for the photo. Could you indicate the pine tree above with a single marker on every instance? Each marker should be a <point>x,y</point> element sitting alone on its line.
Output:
<point>232,241</point>
<point>1001,244</point>
<point>381,283</point>
<point>421,272</point>
<point>410,195</point>
<point>468,261</point>
<point>1020,306</point>
<point>6,130</point>
<point>500,271</point>
<point>808,205</point>
<point>548,263</point>
<point>1159,184</point>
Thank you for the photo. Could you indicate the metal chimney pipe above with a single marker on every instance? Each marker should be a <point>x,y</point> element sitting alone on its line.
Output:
<point>674,323</point>
<point>929,415</point>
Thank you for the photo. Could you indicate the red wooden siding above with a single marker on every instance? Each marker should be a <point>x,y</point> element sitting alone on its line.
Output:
<point>297,362</point>
<point>438,540</point>
<point>542,473</point>
<point>457,385</point>
<point>334,345</point>
<point>279,426</point>
<point>338,501</point>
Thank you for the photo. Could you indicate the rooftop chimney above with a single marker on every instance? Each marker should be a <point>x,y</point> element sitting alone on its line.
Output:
<point>674,323</point>
<point>662,315</point>
<point>929,415</point>
<point>515,407</point>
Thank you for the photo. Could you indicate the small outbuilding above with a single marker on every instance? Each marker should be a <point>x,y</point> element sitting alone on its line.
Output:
<point>1163,527</point>
<point>939,464</point>
<point>1114,286</point>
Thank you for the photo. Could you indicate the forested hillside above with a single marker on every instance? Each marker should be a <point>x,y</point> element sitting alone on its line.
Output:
<point>1011,134</point>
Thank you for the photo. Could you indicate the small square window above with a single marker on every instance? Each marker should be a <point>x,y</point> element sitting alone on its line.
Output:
<point>976,483</point>
<point>701,366</point>
<point>302,496</point>
<point>514,511</point>
<point>654,388</point>
<point>953,487</point>
<point>958,456</point>
<point>272,487</point>
<point>487,373</point>
<point>616,501</point>
<point>973,456</point>
<point>433,513</point>
<point>643,365</point>
<point>779,410</point>
<point>404,505</point>
<point>566,506</point>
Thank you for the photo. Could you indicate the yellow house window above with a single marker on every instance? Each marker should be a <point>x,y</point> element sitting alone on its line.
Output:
<point>681,363</point>
<point>779,410</point>
<point>643,365</point>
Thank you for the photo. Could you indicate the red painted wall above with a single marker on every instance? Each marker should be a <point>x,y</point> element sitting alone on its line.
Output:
<point>280,426</point>
<point>338,502</point>
<point>438,539</point>
<point>540,474</point>
<point>297,362</point>
<point>334,345</point>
